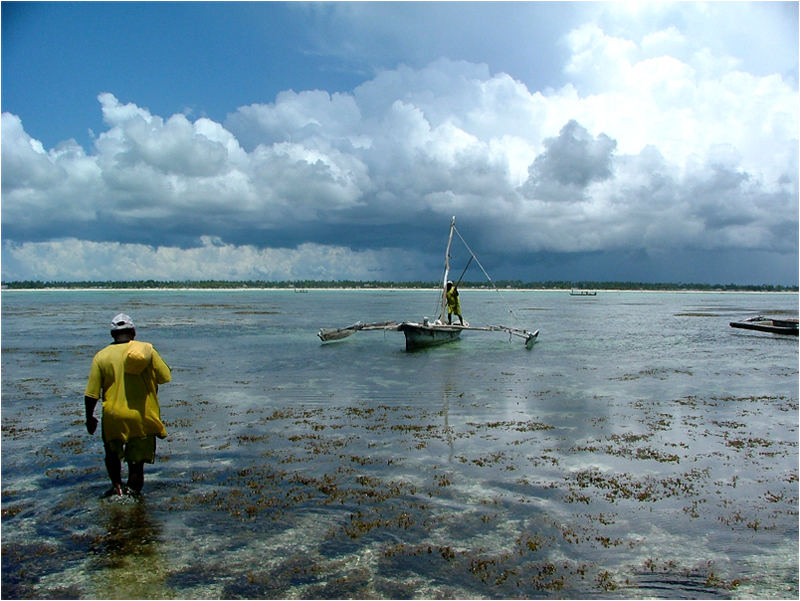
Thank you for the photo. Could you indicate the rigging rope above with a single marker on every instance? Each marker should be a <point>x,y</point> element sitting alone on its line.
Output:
<point>488,277</point>
<point>463,272</point>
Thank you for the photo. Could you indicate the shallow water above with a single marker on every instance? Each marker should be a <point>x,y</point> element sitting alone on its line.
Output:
<point>642,449</point>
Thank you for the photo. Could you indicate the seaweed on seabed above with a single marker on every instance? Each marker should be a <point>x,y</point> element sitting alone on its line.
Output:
<point>23,567</point>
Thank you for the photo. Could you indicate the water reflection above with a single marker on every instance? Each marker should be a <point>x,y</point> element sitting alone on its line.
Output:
<point>126,560</point>
<point>129,530</point>
<point>448,391</point>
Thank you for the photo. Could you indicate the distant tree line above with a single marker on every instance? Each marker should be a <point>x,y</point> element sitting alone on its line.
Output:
<point>342,284</point>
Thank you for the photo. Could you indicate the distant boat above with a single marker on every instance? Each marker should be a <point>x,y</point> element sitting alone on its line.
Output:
<point>768,324</point>
<point>432,333</point>
<point>574,292</point>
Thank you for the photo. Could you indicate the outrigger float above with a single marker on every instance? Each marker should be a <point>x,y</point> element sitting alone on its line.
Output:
<point>433,333</point>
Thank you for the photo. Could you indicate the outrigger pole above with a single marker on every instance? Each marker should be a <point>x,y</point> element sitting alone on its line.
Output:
<point>530,337</point>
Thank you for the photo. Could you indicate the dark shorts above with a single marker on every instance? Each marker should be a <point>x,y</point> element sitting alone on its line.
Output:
<point>136,450</point>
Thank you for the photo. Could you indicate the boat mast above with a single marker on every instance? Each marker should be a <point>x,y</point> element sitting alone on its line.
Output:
<point>446,270</point>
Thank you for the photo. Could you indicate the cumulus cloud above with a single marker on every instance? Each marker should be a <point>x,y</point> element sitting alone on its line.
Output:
<point>656,145</point>
<point>81,260</point>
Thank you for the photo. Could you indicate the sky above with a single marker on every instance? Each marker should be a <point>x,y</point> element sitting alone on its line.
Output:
<point>596,141</point>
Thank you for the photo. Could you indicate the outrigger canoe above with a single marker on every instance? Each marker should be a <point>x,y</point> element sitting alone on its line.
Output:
<point>432,333</point>
<point>768,324</point>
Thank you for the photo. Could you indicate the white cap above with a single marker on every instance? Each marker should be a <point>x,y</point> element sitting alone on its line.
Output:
<point>121,322</point>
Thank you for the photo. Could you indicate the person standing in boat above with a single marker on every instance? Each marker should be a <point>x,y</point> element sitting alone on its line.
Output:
<point>453,303</point>
<point>126,375</point>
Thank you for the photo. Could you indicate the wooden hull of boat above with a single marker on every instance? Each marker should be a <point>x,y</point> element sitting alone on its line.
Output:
<point>421,336</point>
<point>776,326</point>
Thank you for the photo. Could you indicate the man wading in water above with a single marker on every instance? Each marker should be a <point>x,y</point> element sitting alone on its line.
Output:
<point>127,374</point>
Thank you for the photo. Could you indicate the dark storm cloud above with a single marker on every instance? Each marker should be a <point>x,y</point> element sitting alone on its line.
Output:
<point>570,163</point>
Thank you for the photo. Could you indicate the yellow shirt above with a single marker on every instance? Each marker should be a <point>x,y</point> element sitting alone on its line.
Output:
<point>128,375</point>
<point>453,303</point>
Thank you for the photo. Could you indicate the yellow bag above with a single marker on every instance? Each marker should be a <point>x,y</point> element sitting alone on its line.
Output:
<point>138,357</point>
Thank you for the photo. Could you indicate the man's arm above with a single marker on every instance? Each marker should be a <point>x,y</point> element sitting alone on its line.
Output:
<point>91,420</point>
<point>163,373</point>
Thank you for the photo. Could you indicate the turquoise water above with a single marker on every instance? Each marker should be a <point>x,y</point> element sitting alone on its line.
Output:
<point>641,449</point>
